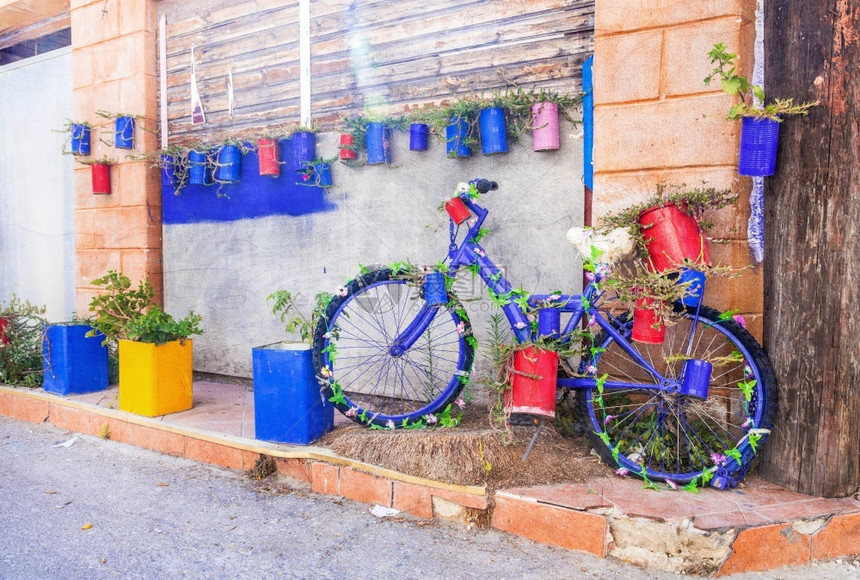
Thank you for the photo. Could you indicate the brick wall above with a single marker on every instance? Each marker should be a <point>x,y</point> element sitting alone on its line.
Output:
<point>656,121</point>
<point>114,56</point>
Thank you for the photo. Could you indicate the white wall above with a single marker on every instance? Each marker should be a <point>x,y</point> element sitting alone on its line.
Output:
<point>225,270</point>
<point>37,246</point>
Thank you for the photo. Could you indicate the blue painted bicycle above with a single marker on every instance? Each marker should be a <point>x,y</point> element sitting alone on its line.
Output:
<point>695,408</point>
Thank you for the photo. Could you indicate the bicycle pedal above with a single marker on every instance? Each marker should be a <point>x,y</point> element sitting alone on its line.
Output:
<point>522,420</point>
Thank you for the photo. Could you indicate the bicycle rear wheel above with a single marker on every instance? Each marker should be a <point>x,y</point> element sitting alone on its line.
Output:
<point>369,381</point>
<point>666,435</point>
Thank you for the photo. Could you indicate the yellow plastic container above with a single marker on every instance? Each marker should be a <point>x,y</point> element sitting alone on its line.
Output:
<point>155,379</point>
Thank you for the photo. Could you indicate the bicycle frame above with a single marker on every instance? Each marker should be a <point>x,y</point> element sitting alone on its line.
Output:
<point>470,252</point>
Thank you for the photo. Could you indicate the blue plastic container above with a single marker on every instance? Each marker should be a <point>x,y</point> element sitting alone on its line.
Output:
<point>72,363</point>
<point>168,172</point>
<point>759,139</point>
<point>322,175</point>
<point>199,172</point>
<point>378,143</point>
<point>494,133</point>
<point>455,137</point>
<point>418,137</point>
<point>304,149</point>
<point>80,139</point>
<point>696,287</point>
<point>229,164</point>
<point>288,406</point>
<point>549,323</point>
<point>434,289</point>
<point>124,133</point>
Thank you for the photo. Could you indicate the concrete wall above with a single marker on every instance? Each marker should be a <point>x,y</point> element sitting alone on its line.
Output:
<point>37,259</point>
<point>224,270</point>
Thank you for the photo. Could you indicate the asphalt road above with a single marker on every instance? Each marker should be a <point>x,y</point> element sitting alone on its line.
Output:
<point>101,509</point>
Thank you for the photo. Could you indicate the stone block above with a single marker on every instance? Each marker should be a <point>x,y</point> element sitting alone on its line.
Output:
<point>364,487</point>
<point>612,16</point>
<point>325,478</point>
<point>629,67</point>
<point>213,453</point>
<point>413,499</point>
<point>765,548</point>
<point>675,133</point>
<point>93,264</point>
<point>158,440</point>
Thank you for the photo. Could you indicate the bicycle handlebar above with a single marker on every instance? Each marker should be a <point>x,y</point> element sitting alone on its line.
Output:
<point>485,185</point>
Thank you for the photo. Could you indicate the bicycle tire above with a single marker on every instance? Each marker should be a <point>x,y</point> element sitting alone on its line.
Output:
<point>664,436</point>
<point>359,374</point>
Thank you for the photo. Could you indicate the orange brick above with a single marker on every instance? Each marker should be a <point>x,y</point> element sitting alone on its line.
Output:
<point>364,487</point>
<point>84,196</point>
<point>118,228</point>
<point>122,57</point>
<point>553,525</point>
<point>296,468</point>
<point>74,420</point>
<point>97,97</point>
<point>464,499</point>
<point>765,548</point>
<point>82,67</point>
<point>658,135</point>
<point>615,191</point>
<point>83,297</point>
<point>840,537</point>
<point>158,440</point>
<point>138,94</point>
<point>413,499</point>
<point>119,430</point>
<point>137,264</point>
<point>93,264</point>
<point>686,62</point>
<point>137,15</point>
<point>629,67</point>
<point>92,24</point>
<point>136,183</point>
<point>30,410</point>
<point>213,453</point>
<point>324,478</point>
<point>612,16</point>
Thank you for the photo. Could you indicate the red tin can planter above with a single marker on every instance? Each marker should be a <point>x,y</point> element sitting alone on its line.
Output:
<point>4,330</point>
<point>268,153</point>
<point>457,210</point>
<point>647,326</point>
<point>101,178</point>
<point>672,236</point>
<point>347,144</point>
<point>545,133</point>
<point>533,385</point>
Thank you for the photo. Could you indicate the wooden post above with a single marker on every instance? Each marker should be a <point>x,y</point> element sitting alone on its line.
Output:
<point>812,247</point>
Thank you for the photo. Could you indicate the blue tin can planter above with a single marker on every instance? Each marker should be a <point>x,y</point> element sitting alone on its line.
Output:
<point>322,175</point>
<point>455,137</point>
<point>696,287</point>
<point>229,164</point>
<point>288,406</point>
<point>418,137</point>
<point>759,140</point>
<point>168,171</point>
<point>494,133</point>
<point>435,293</point>
<point>73,363</point>
<point>304,149</point>
<point>378,143</point>
<point>697,378</point>
<point>199,171</point>
<point>80,139</point>
<point>124,132</point>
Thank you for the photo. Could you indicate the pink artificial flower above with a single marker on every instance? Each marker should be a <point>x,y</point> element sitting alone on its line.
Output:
<point>480,252</point>
<point>589,276</point>
<point>305,177</point>
<point>431,419</point>
<point>461,328</point>
<point>608,419</point>
<point>717,458</point>
<point>341,291</point>
<point>592,321</point>
<point>460,403</point>
<point>352,412</point>
<point>622,472</point>
<point>740,320</point>
<point>591,369</point>
<point>746,424</point>
<point>520,325</point>
<point>326,372</point>
<point>553,297</point>
<point>672,484</point>
<point>390,424</point>
<point>747,371</point>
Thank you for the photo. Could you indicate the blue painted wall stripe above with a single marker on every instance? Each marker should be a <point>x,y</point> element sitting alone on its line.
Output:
<point>588,122</point>
<point>253,196</point>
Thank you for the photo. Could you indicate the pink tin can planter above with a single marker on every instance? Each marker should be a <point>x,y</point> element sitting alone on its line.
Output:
<point>545,132</point>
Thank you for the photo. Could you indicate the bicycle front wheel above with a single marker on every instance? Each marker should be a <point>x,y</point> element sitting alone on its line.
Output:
<point>370,381</point>
<point>668,435</point>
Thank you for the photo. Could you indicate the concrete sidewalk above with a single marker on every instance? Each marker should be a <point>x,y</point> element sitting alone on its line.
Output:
<point>759,527</point>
